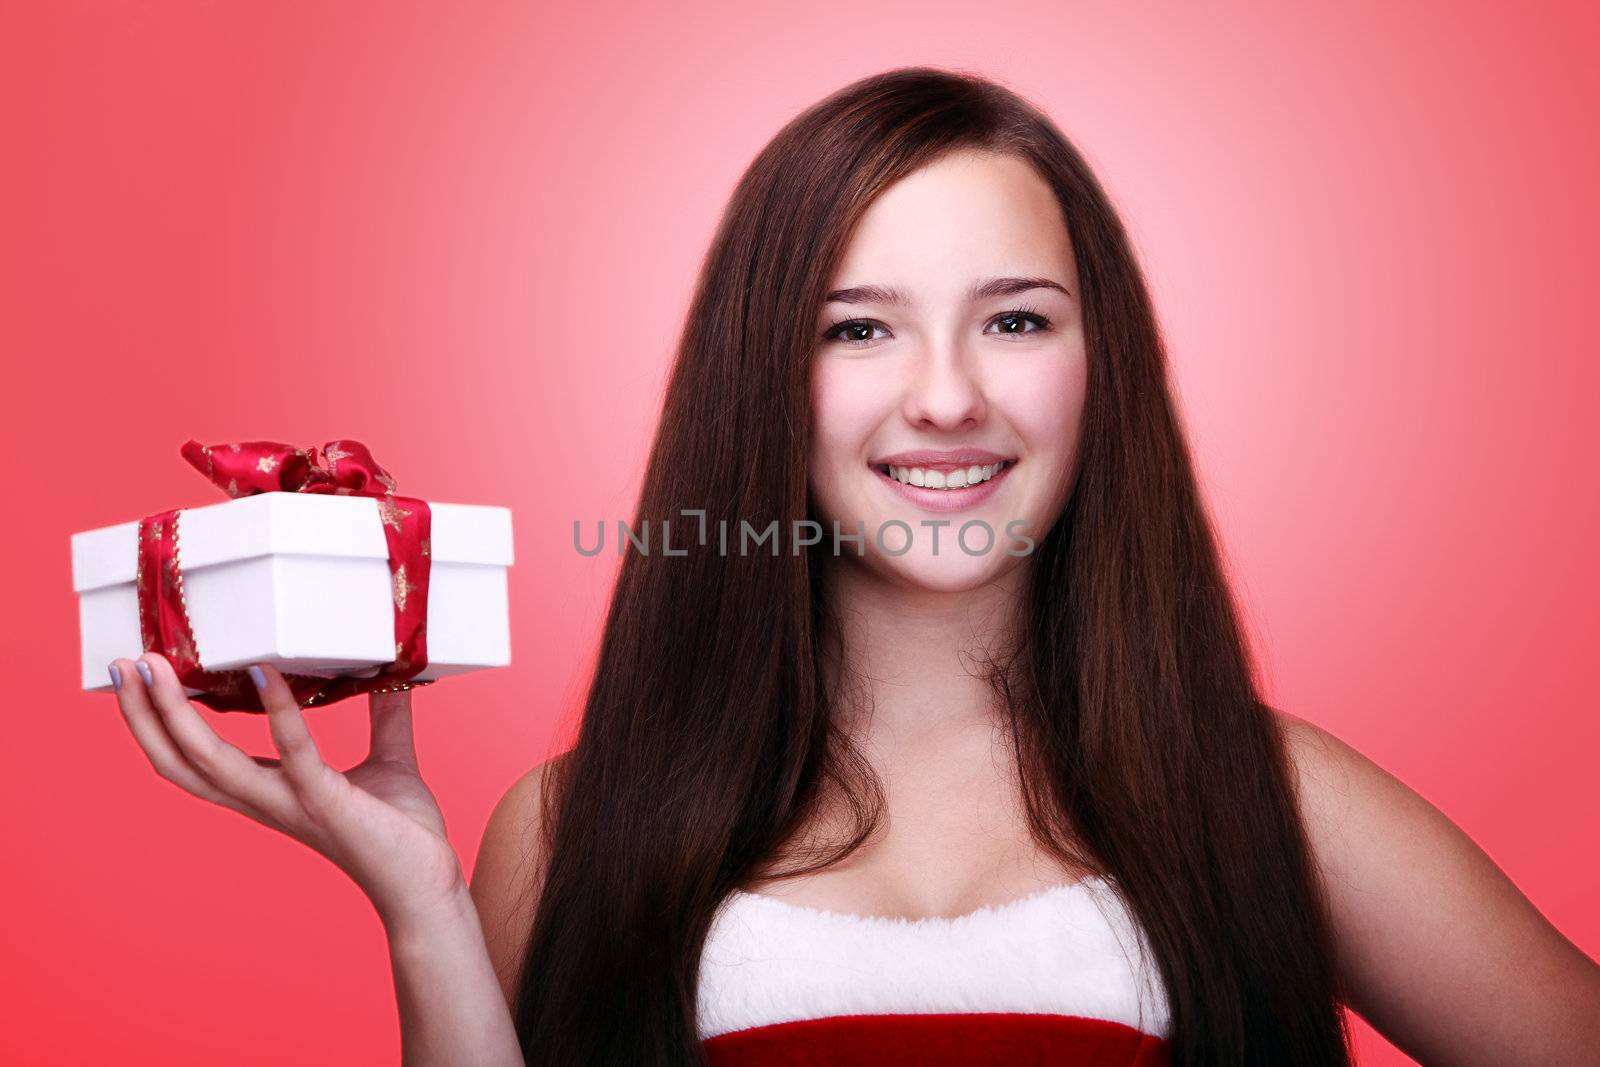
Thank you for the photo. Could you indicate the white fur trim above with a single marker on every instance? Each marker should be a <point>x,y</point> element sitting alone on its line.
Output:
<point>1072,949</point>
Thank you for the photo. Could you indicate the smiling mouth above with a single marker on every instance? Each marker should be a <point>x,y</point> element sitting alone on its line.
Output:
<point>956,478</point>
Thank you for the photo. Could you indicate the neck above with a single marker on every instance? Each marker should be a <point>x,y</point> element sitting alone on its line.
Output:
<point>915,658</point>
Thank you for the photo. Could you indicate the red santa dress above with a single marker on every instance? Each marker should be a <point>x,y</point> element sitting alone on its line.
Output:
<point>1061,977</point>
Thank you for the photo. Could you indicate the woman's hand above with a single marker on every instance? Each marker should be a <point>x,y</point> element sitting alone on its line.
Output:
<point>377,822</point>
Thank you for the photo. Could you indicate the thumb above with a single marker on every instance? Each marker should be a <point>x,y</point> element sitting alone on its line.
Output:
<point>392,737</point>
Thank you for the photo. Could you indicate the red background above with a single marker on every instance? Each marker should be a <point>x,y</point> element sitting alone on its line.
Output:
<point>466,235</point>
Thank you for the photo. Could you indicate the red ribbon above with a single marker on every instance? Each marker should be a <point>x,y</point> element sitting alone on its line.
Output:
<point>245,468</point>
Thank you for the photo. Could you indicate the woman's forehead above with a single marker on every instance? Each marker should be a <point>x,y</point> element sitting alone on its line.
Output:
<point>948,225</point>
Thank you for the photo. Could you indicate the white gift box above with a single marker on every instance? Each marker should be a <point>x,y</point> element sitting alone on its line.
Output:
<point>302,581</point>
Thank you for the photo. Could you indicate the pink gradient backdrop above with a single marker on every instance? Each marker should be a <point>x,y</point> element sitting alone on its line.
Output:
<point>461,231</point>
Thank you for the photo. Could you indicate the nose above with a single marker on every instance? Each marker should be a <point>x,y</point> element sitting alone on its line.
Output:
<point>943,392</point>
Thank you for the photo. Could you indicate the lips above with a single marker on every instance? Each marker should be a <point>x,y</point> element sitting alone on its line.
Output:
<point>942,459</point>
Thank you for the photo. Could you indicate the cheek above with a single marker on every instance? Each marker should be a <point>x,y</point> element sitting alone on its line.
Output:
<point>1045,405</point>
<point>846,409</point>
<point>1049,421</point>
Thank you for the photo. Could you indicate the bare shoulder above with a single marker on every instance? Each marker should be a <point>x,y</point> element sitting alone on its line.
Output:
<point>509,872</point>
<point>1438,948</point>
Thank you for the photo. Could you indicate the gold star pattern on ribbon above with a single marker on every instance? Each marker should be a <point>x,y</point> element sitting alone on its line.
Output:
<point>388,482</point>
<point>186,649</point>
<point>391,513</point>
<point>402,588</point>
<point>266,463</point>
<point>233,487</point>
<point>155,531</point>
<point>334,455</point>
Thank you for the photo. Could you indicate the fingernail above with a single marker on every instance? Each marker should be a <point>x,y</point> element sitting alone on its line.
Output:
<point>258,677</point>
<point>116,677</point>
<point>144,671</point>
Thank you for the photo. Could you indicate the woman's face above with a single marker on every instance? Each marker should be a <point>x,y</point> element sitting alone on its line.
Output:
<point>949,362</point>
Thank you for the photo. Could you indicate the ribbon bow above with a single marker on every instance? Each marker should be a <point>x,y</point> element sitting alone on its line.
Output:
<point>245,468</point>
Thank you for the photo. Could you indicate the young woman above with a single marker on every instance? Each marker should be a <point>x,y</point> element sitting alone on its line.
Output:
<point>918,794</point>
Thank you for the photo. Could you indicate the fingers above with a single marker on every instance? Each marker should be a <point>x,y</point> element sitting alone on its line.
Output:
<point>313,782</point>
<point>150,718</point>
<point>392,736</point>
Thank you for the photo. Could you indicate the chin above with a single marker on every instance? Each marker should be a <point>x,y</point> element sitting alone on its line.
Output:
<point>942,573</point>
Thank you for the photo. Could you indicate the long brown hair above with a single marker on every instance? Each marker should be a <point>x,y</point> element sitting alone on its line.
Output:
<point>707,738</point>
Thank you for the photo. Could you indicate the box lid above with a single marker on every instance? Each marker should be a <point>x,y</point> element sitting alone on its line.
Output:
<point>282,523</point>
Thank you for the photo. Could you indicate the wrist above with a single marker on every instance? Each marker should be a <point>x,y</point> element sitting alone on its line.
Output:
<point>427,916</point>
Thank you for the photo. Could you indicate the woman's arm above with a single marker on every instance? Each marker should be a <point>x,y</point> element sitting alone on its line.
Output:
<point>471,952</point>
<point>1439,950</point>
<point>452,1010</point>
<point>508,877</point>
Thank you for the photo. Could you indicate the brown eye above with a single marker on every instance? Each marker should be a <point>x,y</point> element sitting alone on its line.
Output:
<point>856,331</point>
<point>1014,323</point>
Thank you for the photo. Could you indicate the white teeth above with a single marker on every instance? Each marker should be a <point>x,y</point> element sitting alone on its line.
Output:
<point>955,479</point>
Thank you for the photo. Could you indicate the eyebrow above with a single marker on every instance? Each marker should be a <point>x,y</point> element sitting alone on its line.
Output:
<point>983,290</point>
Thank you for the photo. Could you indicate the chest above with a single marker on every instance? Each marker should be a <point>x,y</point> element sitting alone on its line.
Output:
<point>953,837</point>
